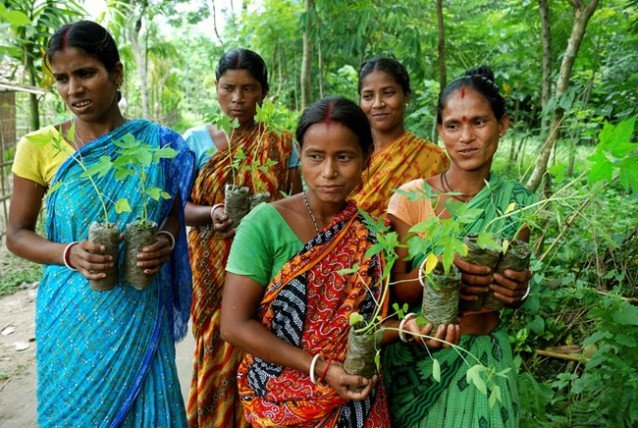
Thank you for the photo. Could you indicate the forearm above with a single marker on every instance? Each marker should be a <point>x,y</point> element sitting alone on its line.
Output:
<point>197,215</point>
<point>29,245</point>
<point>255,339</point>
<point>406,288</point>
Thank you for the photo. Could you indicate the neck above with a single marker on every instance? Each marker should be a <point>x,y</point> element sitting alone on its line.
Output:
<point>324,212</point>
<point>88,131</point>
<point>245,127</point>
<point>384,138</point>
<point>467,183</point>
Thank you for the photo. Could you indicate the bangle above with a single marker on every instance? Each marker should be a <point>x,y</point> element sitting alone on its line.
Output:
<point>526,295</point>
<point>65,255</point>
<point>169,235</point>
<point>405,319</point>
<point>313,363</point>
<point>212,210</point>
<point>325,371</point>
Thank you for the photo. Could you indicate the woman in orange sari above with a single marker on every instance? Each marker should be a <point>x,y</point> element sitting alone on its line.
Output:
<point>242,84</point>
<point>399,156</point>
<point>284,302</point>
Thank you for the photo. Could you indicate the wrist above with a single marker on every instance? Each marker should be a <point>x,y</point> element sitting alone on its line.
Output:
<point>402,332</point>
<point>212,212</point>
<point>169,236</point>
<point>66,255</point>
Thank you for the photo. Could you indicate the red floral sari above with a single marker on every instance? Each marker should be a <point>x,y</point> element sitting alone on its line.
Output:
<point>308,305</point>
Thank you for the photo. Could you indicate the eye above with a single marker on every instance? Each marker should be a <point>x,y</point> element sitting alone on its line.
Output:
<point>389,93</point>
<point>366,97</point>
<point>314,156</point>
<point>344,158</point>
<point>480,122</point>
<point>86,73</point>
<point>61,79</point>
<point>452,126</point>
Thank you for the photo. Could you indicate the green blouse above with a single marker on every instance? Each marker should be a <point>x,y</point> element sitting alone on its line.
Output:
<point>263,244</point>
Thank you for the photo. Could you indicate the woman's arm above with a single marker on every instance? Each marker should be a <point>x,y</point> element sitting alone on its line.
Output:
<point>23,241</point>
<point>406,287</point>
<point>240,327</point>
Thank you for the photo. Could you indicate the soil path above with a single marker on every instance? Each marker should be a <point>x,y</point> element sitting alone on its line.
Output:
<point>17,367</point>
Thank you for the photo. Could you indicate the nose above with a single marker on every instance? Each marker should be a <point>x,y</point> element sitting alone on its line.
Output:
<point>329,168</point>
<point>75,86</point>
<point>467,134</point>
<point>238,97</point>
<point>377,102</point>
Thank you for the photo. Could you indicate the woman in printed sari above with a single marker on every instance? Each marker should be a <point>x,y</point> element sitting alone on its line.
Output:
<point>471,118</point>
<point>285,305</point>
<point>104,358</point>
<point>242,84</point>
<point>399,155</point>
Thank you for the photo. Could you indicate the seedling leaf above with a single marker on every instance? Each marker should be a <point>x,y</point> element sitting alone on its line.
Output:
<point>122,206</point>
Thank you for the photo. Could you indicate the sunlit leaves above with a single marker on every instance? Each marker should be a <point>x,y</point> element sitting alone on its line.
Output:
<point>616,153</point>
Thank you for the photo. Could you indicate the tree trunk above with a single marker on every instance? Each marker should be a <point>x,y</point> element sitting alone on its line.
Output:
<point>582,15</point>
<point>306,60</point>
<point>442,69</point>
<point>34,103</point>
<point>140,58</point>
<point>546,43</point>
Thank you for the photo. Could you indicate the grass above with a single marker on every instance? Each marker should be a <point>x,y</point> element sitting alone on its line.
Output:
<point>15,271</point>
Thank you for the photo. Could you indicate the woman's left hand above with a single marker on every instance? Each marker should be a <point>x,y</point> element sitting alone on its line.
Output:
<point>511,286</point>
<point>153,256</point>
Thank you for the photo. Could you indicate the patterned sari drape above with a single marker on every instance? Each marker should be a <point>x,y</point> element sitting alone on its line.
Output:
<point>404,159</point>
<point>415,399</point>
<point>108,358</point>
<point>308,305</point>
<point>213,396</point>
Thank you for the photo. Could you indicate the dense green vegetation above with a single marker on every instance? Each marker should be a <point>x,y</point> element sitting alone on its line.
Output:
<point>576,336</point>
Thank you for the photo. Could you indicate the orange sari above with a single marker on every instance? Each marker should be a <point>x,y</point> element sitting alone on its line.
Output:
<point>308,305</point>
<point>404,159</point>
<point>213,401</point>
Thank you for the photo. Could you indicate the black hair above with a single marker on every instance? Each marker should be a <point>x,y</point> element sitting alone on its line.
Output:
<point>244,59</point>
<point>89,36</point>
<point>480,79</point>
<point>388,65</point>
<point>337,109</point>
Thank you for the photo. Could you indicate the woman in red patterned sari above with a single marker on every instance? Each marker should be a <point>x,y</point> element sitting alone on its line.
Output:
<point>284,302</point>
<point>242,84</point>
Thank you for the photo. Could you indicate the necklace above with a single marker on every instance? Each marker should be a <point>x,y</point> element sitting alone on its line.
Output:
<point>461,196</point>
<point>312,215</point>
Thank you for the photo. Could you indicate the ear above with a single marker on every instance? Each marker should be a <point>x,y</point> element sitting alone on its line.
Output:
<point>118,74</point>
<point>503,124</point>
<point>406,99</point>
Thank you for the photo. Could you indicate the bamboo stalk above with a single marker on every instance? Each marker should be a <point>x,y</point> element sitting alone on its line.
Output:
<point>559,355</point>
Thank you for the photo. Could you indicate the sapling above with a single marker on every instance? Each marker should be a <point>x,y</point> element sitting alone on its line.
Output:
<point>101,232</point>
<point>134,160</point>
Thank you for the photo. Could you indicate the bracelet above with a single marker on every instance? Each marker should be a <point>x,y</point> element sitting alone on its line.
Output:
<point>325,371</point>
<point>313,363</point>
<point>526,295</point>
<point>169,235</point>
<point>405,319</point>
<point>65,255</point>
<point>212,210</point>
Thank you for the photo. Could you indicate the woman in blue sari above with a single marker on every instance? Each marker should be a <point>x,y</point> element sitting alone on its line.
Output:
<point>104,358</point>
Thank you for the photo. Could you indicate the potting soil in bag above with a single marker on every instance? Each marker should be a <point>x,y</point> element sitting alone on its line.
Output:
<point>236,202</point>
<point>138,236</point>
<point>106,234</point>
<point>516,258</point>
<point>441,296</point>
<point>360,356</point>
<point>483,257</point>
<point>258,198</point>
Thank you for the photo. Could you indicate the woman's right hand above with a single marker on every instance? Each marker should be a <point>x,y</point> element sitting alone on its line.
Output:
<point>89,259</point>
<point>475,279</point>
<point>222,223</point>
<point>450,333</point>
<point>339,380</point>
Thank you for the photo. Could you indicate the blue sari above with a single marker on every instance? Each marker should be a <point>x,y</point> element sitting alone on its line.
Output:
<point>108,358</point>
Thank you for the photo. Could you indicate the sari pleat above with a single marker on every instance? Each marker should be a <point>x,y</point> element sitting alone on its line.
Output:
<point>404,159</point>
<point>308,305</point>
<point>100,354</point>
<point>213,400</point>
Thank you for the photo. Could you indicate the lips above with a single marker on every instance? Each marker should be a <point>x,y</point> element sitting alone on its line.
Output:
<point>81,105</point>
<point>331,189</point>
<point>237,112</point>
<point>380,116</point>
<point>467,152</point>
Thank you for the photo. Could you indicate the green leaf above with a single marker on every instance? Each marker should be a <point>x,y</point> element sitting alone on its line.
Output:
<point>436,370</point>
<point>40,139</point>
<point>154,192</point>
<point>487,240</point>
<point>558,171</point>
<point>55,187</point>
<point>355,318</point>
<point>100,168</point>
<point>122,173</point>
<point>16,18</point>
<point>122,206</point>
<point>348,271</point>
<point>601,168</point>
<point>164,153</point>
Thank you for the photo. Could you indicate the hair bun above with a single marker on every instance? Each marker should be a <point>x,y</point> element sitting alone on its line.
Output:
<point>483,72</point>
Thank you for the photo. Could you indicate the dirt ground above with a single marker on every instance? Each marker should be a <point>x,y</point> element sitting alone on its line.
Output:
<point>17,359</point>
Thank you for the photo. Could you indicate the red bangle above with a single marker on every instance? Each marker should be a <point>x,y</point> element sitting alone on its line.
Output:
<point>325,371</point>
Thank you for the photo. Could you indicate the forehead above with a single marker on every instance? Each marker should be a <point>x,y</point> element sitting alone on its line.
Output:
<point>238,77</point>
<point>70,58</point>
<point>466,102</point>
<point>330,137</point>
<point>378,79</point>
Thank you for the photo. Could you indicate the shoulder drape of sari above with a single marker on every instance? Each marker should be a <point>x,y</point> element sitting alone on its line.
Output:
<point>212,401</point>
<point>408,370</point>
<point>404,159</point>
<point>107,358</point>
<point>308,305</point>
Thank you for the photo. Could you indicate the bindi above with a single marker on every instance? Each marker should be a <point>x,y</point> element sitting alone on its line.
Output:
<point>464,118</point>
<point>462,93</point>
